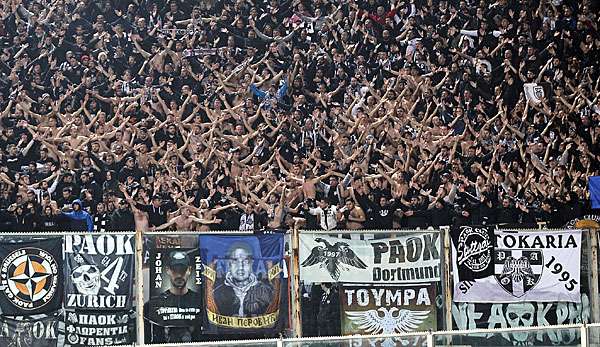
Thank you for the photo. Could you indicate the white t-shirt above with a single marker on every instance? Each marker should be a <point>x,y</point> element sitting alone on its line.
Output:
<point>328,217</point>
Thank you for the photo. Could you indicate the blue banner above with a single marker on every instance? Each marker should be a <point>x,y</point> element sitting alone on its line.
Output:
<point>244,284</point>
<point>594,186</point>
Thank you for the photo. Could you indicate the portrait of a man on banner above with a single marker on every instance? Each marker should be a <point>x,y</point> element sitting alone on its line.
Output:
<point>175,309</point>
<point>243,282</point>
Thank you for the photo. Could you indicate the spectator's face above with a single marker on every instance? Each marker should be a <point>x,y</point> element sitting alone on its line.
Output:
<point>349,205</point>
<point>239,129</point>
<point>123,204</point>
<point>546,207</point>
<point>240,265</point>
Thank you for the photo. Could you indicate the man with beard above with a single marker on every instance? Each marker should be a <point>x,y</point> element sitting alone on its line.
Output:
<point>242,293</point>
<point>122,218</point>
<point>175,315</point>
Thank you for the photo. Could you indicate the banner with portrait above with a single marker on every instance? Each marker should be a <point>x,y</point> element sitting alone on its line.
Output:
<point>174,311</point>
<point>100,328</point>
<point>41,330</point>
<point>409,258</point>
<point>527,266</point>
<point>99,271</point>
<point>31,277</point>
<point>376,310</point>
<point>245,288</point>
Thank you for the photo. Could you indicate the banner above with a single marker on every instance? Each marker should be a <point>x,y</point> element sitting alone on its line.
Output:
<point>594,189</point>
<point>523,314</point>
<point>31,279</point>
<point>474,251</point>
<point>589,221</point>
<point>244,284</point>
<point>99,271</point>
<point>535,92</point>
<point>528,266</point>
<point>31,331</point>
<point>405,259</point>
<point>102,328</point>
<point>389,310</point>
<point>174,311</point>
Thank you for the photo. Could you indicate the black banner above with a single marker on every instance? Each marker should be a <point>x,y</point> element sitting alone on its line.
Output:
<point>174,311</point>
<point>31,331</point>
<point>88,328</point>
<point>474,248</point>
<point>99,271</point>
<point>522,314</point>
<point>31,279</point>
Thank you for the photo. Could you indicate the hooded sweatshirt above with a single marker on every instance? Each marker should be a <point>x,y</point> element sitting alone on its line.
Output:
<point>80,220</point>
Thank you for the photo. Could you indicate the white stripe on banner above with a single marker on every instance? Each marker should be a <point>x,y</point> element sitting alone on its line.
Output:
<point>406,259</point>
<point>528,266</point>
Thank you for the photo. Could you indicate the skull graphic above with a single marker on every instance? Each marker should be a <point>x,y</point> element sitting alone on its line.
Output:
<point>87,279</point>
<point>520,315</point>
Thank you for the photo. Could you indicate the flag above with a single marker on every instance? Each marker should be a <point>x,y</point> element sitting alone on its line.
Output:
<point>252,265</point>
<point>534,92</point>
<point>594,187</point>
<point>473,252</point>
<point>31,276</point>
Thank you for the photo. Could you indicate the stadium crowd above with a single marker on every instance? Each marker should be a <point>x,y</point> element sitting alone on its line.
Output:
<point>251,114</point>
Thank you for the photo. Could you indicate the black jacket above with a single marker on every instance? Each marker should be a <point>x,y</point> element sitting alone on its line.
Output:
<point>328,319</point>
<point>122,220</point>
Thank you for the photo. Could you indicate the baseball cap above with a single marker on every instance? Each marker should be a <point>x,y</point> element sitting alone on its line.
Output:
<point>178,258</point>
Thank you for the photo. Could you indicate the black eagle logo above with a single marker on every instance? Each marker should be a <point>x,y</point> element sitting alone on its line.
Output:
<point>331,256</point>
<point>517,269</point>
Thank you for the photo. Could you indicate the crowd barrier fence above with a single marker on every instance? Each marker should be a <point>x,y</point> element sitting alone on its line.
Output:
<point>588,337</point>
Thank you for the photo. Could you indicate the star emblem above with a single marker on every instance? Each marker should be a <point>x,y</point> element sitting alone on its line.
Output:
<point>30,277</point>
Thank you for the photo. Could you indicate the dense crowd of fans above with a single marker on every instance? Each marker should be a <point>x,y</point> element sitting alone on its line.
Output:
<point>252,114</point>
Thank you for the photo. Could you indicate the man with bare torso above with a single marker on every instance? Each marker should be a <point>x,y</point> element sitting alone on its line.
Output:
<point>185,221</point>
<point>352,215</point>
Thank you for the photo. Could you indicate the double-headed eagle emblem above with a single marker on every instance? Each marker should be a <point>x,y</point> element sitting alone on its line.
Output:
<point>388,321</point>
<point>332,257</point>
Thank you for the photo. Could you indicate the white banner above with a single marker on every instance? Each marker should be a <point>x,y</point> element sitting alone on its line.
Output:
<point>413,258</point>
<point>535,92</point>
<point>528,266</point>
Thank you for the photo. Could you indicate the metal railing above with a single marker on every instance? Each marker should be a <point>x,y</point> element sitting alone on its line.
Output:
<point>585,337</point>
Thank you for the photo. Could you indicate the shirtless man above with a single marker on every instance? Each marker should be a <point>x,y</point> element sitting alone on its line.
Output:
<point>277,211</point>
<point>206,214</point>
<point>309,181</point>
<point>185,221</point>
<point>352,215</point>
<point>141,219</point>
